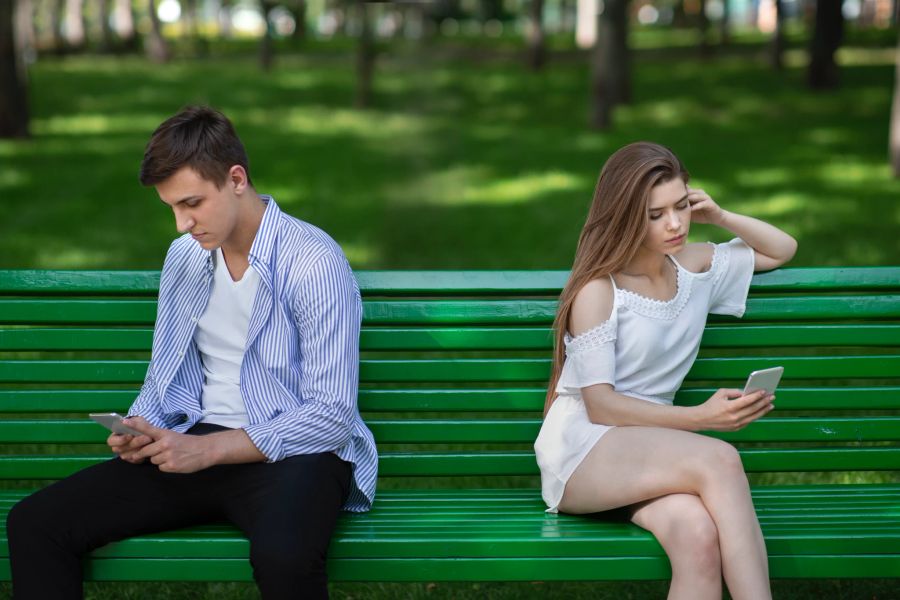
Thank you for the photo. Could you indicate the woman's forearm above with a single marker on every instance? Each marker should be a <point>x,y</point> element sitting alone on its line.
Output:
<point>608,407</point>
<point>764,238</point>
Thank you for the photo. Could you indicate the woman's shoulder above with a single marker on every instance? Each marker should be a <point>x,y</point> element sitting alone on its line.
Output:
<point>696,258</point>
<point>592,306</point>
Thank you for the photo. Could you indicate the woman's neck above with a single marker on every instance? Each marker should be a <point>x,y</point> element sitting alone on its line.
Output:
<point>651,265</point>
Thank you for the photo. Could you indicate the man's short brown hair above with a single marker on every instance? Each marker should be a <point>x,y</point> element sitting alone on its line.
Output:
<point>198,137</point>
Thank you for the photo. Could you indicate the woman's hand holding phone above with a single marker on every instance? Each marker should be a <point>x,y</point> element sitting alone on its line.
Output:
<point>731,410</point>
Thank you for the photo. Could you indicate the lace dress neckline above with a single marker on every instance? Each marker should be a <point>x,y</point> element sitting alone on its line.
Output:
<point>653,308</point>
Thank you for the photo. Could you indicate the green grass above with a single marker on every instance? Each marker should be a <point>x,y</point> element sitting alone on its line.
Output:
<point>467,160</point>
<point>461,163</point>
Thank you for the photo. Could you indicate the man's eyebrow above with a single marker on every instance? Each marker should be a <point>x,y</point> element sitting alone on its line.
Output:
<point>679,201</point>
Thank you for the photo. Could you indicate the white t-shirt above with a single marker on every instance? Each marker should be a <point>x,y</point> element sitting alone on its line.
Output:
<point>221,337</point>
<point>645,349</point>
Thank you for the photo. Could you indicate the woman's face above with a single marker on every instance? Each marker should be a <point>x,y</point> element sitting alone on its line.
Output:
<point>669,217</point>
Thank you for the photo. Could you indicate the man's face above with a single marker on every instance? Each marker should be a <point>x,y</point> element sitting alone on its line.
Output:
<point>208,213</point>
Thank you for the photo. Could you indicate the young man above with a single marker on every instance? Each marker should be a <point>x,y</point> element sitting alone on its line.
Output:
<point>248,412</point>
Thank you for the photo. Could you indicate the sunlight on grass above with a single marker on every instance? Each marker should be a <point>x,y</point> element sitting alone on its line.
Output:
<point>468,185</point>
<point>773,176</point>
<point>846,171</point>
<point>329,121</point>
<point>776,205</point>
<point>12,178</point>
<point>360,256</point>
<point>70,258</point>
<point>93,124</point>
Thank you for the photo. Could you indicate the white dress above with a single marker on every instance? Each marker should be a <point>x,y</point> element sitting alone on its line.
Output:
<point>644,350</point>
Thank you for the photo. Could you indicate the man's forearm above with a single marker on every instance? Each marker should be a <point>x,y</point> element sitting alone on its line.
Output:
<point>233,447</point>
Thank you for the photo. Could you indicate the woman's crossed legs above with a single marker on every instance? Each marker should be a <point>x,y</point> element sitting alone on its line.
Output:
<point>691,492</point>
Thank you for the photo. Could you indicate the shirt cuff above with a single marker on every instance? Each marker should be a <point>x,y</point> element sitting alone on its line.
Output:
<point>266,439</point>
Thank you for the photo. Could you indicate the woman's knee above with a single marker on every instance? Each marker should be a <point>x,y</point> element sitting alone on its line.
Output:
<point>720,462</point>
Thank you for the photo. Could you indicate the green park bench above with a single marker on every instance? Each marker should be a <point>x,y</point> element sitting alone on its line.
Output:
<point>453,371</point>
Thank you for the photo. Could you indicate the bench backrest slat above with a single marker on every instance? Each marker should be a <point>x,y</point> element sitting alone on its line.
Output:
<point>454,366</point>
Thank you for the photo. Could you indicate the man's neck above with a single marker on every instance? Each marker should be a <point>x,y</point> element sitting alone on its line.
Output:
<point>236,250</point>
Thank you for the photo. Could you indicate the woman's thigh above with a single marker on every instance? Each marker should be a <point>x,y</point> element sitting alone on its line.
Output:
<point>634,464</point>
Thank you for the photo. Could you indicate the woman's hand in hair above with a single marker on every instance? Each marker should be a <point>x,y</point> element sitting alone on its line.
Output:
<point>703,208</point>
<point>731,410</point>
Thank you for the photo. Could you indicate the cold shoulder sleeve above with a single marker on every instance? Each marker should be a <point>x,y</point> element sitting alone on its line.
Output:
<point>590,358</point>
<point>732,270</point>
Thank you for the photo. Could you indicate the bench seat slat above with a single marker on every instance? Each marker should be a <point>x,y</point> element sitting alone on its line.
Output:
<point>489,463</point>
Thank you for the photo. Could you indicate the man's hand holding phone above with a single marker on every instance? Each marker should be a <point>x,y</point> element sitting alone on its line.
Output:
<point>126,446</point>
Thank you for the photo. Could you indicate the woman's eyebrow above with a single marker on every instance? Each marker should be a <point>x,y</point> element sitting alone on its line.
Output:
<point>679,201</point>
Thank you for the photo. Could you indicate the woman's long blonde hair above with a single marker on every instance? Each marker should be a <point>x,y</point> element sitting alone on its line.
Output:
<point>614,229</point>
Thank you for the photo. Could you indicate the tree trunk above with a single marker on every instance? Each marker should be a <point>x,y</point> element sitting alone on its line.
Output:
<point>266,48</point>
<point>365,57</point>
<point>58,8</point>
<point>74,24</point>
<point>123,20</point>
<point>13,83</point>
<point>725,25</point>
<point>23,26</point>
<point>703,26</point>
<point>535,32</point>
<point>106,35</point>
<point>611,73</point>
<point>198,43</point>
<point>156,47</point>
<point>776,54</point>
<point>299,20</point>
<point>827,38</point>
<point>895,117</point>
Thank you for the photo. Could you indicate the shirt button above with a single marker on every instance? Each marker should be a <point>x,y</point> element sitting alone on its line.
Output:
<point>194,319</point>
<point>180,354</point>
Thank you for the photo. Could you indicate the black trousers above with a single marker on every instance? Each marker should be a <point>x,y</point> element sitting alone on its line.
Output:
<point>287,509</point>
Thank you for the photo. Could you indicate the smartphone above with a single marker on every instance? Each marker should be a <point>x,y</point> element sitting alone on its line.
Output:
<point>113,422</point>
<point>766,379</point>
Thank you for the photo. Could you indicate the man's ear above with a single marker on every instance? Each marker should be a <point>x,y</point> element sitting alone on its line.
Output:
<point>237,178</point>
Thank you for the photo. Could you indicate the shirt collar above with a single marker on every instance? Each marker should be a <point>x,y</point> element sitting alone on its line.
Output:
<point>264,242</point>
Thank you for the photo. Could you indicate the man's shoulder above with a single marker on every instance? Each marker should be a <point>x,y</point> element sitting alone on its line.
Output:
<point>183,251</point>
<point>304,244</point>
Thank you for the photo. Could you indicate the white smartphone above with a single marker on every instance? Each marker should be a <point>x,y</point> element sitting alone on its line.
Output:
<point>113,422</point>
<point>766,379</point>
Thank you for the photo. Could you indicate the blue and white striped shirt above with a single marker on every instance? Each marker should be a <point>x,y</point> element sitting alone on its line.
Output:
<point>300,373</point>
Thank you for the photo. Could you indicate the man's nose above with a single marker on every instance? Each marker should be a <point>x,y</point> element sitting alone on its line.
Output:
<point>183,223</point>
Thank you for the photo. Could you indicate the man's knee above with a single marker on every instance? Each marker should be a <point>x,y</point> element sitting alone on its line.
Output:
<point>27,520</point>
<point>287,559</point>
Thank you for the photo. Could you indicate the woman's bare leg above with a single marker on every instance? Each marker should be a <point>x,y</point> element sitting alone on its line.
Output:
<point>635,464</point>
<point>689,536</point>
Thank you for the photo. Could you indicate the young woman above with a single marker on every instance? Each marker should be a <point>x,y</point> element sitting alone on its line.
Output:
<point>627,332</point>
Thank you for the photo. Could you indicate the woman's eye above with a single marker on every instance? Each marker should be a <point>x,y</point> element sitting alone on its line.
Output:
<point>655,217</point>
